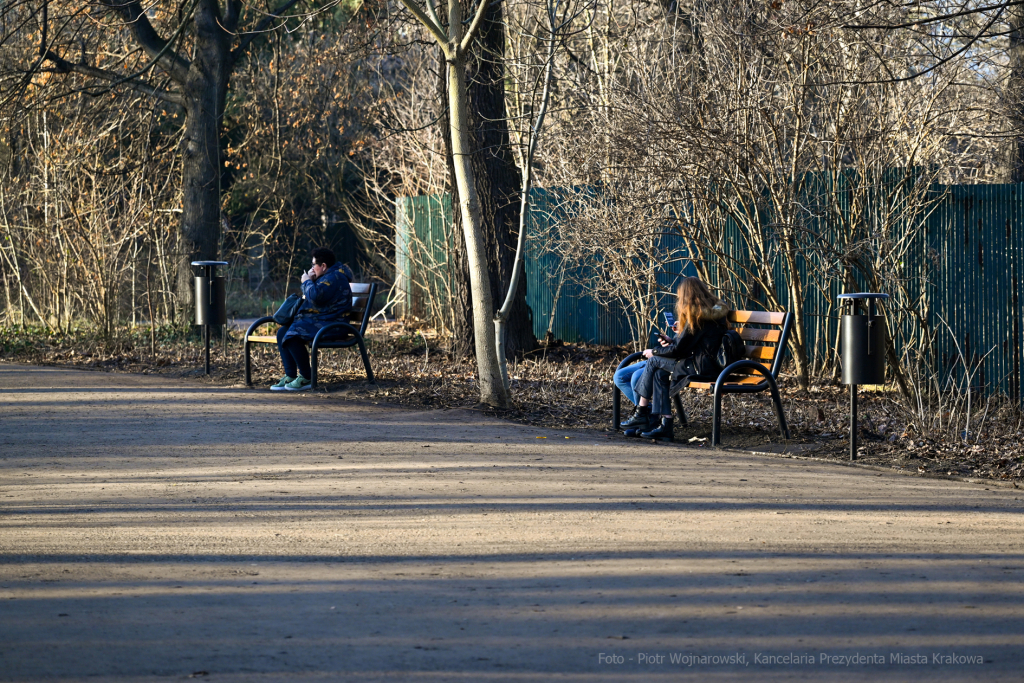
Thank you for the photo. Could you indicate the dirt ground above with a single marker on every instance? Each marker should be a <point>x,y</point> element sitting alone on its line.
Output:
<point>568,386</point>
<point>156,528</point>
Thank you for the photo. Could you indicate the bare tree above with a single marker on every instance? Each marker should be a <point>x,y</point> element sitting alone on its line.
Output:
<point>768,146</point>
<point>532,99</point>
<point>78,209</point>
<point>497,178</point>
<point>455,42</point>
<point>1015,91</point>
<point>293,119</point>
<point>182,54</point>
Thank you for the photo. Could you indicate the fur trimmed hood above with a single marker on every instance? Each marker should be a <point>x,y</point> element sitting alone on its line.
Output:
<point>719,311</point>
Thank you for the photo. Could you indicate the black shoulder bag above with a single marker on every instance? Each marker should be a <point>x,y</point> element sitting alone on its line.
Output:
<point>286,314</point>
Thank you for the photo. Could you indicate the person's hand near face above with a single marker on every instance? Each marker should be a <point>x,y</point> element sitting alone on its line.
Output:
<point>316,271</point>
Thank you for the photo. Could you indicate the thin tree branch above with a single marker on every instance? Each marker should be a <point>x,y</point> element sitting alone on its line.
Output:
<point>262,27</point>
<point>475,26</point>
<point>63,66</point>
<point>430,25</point>
<point>146,36</point>
<point>931,20</point>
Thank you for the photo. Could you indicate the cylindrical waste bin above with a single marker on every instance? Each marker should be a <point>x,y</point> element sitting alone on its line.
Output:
<point>864,337</point>
<point>211,304</point>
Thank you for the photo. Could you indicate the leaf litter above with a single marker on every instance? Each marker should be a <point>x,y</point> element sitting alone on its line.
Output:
<point>568,386</point>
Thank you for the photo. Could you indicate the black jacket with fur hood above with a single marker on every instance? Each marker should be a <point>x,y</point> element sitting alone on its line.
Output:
<point>697,351</point>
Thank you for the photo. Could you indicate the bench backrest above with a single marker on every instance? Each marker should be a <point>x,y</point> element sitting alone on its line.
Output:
<point>363,294</point>
<point>764,334</point>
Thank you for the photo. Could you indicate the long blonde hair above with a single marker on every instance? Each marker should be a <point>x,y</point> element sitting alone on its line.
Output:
<point>694,302</point>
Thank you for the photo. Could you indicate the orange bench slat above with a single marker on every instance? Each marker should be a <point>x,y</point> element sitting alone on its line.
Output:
<point>752,379</point>
<point>757,317</point>
<point>750,334</point>
<point>760,352</point>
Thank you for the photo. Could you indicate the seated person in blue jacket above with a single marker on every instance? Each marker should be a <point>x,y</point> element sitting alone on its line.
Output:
<point>700,324</point>
<point>327,297</point>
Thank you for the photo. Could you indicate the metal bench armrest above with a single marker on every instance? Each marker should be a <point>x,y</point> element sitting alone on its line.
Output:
<point>355,339</point>
<point>342,326</point>
<point>721,389</point>
<point>630,359</point>
<point>257,324</point>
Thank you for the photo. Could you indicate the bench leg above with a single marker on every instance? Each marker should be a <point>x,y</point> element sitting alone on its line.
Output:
<point>248,363</point>
<point>777,400</point>
<point>314,353</point>
<point>716,420</point>
<point>679,410</point>
<point>616,408</point>
<point>366,358</point>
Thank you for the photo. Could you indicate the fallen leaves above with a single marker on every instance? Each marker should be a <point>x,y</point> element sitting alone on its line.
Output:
<point>566,386</point>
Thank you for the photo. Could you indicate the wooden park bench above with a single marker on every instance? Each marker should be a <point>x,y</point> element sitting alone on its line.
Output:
<point>765,335</point>
<point>336,335</point>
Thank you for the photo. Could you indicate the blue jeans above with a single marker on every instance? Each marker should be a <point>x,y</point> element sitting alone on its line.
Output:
<point>626,379</point>
<point>654,384</point>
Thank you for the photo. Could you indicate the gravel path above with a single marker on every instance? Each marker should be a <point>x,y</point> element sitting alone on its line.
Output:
<point>156,528</point>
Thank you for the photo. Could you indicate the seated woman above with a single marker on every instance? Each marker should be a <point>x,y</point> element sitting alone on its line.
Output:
<point>693,351</point>
<point>327,297</point>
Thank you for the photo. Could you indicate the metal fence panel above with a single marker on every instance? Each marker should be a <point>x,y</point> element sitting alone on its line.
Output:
<point>962,270</point>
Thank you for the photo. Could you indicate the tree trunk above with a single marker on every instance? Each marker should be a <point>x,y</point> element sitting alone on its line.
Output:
<point>461,302</point>
<point>492,389</point>
<point>497,184</point>
<point>1015,93</point>
<point>204,91</point>
<point>798,338</point>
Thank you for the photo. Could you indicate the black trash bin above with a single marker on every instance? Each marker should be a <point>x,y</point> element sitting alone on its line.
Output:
<point>211,302</point>
<point>864,337</point>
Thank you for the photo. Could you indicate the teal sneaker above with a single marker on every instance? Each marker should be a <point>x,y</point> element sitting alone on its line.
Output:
<point>282,384</point>
<point>300,383</point>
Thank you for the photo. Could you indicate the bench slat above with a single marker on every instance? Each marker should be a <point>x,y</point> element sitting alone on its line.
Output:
<point>750,334</point>
<point>262,339</point>
<point>750,371</point>
<point>760,352</point>
<point>711,385</point>
<point>360,287</point>
<point>359,304</point>
<point>758,317</point>
<point>751,379</point>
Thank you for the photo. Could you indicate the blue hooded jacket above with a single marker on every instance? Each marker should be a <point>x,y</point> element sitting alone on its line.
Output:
<point>327,300</point>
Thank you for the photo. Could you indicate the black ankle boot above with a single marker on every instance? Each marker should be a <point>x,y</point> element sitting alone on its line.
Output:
<point>662,433</point>
<point>640,419</point>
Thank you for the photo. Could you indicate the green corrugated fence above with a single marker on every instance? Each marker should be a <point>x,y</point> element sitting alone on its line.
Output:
<point>956,262</point>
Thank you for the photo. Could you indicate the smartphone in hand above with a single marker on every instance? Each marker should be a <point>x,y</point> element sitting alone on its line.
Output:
<point>670,320</point>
